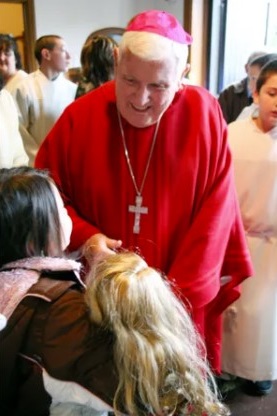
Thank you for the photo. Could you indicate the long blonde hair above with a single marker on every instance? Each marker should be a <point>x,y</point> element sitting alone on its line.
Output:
<point>158,353</point>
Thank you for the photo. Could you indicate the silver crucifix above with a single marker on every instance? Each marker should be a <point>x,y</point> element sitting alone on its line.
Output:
<point>138,209</point>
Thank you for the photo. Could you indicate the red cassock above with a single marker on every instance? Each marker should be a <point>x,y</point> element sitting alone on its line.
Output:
<point>192,231</point>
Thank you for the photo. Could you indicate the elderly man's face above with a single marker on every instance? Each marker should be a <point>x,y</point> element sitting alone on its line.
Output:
<point>144,89</point>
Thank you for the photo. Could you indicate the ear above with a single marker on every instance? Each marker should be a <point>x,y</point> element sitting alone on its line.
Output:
<point>116,57</point>
<point>46,54</point>
<point>255,97</point>
<point>186,70</point>
<point>183,75</point>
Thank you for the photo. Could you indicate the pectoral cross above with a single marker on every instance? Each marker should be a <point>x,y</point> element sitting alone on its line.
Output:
<point>138,209</point>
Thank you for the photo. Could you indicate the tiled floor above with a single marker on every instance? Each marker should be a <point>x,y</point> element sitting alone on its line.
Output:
<point>244,405</point>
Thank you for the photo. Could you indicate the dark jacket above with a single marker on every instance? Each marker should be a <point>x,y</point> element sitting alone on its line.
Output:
<point>51,329</point>
<point>233,99</point>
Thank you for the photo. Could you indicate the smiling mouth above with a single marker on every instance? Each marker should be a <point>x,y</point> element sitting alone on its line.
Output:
<point>140,109</point>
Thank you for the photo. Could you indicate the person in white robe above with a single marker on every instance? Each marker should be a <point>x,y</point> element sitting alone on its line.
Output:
<point>250,324</point>
<point>15,80</point>
<point>11,72</point>
<point>42,96</point>
<point>251,110</point>
<point>12,151</point>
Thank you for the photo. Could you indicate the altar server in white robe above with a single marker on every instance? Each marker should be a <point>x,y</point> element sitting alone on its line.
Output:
<point>12,152</point>
<point>250,324</point>
<point>42,96</point>
<point>11,72</point>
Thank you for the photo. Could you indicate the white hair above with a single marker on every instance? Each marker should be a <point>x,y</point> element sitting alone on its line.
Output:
<point>152,47</point>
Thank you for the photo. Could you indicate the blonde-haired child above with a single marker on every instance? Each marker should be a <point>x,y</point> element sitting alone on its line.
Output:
<point>158,353</point>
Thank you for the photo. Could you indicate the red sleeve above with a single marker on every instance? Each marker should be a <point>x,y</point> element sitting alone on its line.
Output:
<point>57,143</point>
<point>214,245</point>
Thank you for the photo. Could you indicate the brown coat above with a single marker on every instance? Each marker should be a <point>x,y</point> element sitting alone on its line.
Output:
<point>52,329</point>
<point>234,99</point>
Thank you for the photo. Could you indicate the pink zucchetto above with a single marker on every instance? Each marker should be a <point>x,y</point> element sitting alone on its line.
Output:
<point>161,23</point>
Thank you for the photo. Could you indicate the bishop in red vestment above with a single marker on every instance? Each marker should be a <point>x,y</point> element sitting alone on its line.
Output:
<point>161,183</point>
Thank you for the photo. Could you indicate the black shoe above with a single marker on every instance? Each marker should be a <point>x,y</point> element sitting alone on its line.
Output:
<point>258,388</point>
<point>227,388</point>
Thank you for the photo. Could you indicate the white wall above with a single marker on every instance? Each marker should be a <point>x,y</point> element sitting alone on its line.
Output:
<point>252,33</point>
<point>250,26</point>
<point>74,20</point>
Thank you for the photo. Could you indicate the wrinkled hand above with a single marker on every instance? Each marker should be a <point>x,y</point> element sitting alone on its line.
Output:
<point>99,246</point>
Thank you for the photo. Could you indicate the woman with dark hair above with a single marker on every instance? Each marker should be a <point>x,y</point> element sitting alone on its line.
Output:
<point>10,62</point>
<point>97,60</point>
<point>32,200</point>
<point>49,330</point>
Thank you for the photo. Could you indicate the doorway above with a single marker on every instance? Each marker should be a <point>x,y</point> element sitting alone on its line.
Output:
<point>237,30</point>
<point>26,37</point>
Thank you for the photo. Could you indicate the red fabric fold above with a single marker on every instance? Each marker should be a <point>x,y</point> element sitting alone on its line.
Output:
<point>193,230</point>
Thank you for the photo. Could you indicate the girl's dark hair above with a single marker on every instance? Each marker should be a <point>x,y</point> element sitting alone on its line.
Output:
<point>29,218</point>
<point>8,43</point>
<point>267,71</point>
<point>97,59</point>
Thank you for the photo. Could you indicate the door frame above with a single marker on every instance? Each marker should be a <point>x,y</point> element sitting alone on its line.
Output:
<point>29,35</point>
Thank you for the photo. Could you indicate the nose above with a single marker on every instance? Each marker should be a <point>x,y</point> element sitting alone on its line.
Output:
<point>2,56</point>
<point>142,95</point>
<point>68,56</point>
